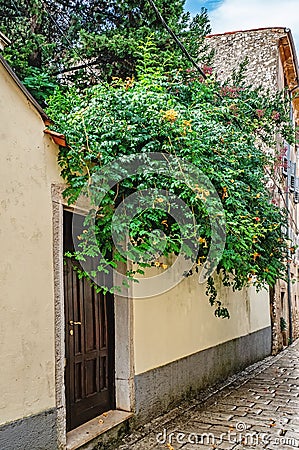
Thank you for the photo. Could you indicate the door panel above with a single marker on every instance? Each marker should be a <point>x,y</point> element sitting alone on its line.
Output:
<point>89,318</point>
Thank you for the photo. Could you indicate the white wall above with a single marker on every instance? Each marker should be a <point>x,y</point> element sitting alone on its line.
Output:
<point>27,168</point>
<point>181,322</point>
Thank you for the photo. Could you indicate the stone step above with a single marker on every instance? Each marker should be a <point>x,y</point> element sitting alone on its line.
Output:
<point>101,430</point>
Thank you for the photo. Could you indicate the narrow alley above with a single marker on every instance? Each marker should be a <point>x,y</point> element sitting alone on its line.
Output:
<point>257,409</point>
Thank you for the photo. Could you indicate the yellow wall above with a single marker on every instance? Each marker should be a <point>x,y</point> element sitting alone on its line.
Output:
<point>27,168</point>
<point>181,322</point>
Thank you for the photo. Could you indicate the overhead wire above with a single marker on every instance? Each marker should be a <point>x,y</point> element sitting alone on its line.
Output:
<point>176,39</point>
<point>185,51</point>
<point>16,8</point>
<point>82,59</point>
<point>87,65</point>
<point>180,45</point>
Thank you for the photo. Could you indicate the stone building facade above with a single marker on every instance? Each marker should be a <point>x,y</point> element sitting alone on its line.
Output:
<point>271,63</point>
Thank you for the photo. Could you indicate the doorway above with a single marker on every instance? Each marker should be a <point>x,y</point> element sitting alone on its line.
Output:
<point>89,339</point>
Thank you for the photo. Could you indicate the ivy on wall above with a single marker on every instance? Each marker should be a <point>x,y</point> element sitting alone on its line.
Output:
<point>227,131</point>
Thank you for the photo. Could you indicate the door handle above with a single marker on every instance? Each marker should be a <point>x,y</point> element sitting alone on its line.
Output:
<point>71,322</point>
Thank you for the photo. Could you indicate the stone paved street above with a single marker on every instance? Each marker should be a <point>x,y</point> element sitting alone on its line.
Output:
<point>256,409</point>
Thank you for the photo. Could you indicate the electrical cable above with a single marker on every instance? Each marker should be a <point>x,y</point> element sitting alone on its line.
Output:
<point>184,50</point>
<point>16,8</point>
<point>86,63</point>
<point>178,42</point>
<point>176,39</point>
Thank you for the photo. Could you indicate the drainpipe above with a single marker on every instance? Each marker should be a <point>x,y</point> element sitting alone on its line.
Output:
<point>289,290</point>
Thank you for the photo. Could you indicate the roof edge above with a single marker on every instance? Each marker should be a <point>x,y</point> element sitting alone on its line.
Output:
<point>294,54</point>
<point>245,31</point>
<point>58,138</point>
<point>25,91</point>
<point>4,39</point>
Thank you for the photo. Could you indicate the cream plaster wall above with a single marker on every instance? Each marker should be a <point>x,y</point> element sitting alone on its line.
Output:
<point>27,168</point>
<point>181,322</point>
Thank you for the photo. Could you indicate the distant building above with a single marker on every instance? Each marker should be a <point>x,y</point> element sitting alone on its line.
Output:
<point>272,63</point>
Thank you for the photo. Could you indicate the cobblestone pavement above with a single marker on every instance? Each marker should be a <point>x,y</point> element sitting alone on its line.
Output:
<point>257,409</point>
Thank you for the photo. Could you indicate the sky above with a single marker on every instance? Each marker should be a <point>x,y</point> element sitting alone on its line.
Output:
<point>231,15</point>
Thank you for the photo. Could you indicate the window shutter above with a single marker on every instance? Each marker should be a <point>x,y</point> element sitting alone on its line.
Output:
<point>285,166</point>
<point>296,193</point>
<point>292,177</point>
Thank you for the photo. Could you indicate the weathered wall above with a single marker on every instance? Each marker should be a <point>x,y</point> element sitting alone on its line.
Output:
<point>179,343</point>
<point>275,69</point>
<point>181,322</point>
<point>180,346</point>
<point>161,388</point>
<point>27,168</point>
<point>259,47</point>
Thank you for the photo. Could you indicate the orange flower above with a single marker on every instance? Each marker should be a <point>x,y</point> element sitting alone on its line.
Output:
<point>225,194</point>
<point>203,241</point>
<point>129,82</point>
<point>255,255</point>
<point>187,125</point>
<point>200,260</point>
<point>170,115</point>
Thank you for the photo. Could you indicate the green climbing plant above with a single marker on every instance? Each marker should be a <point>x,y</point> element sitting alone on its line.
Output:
<point>229,132</point>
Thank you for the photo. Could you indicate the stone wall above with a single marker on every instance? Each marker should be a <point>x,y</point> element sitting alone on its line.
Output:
<point>259,47</point>
<point>265,50</point>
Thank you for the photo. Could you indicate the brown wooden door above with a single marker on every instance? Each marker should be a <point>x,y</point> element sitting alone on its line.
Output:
<point>89,343</point>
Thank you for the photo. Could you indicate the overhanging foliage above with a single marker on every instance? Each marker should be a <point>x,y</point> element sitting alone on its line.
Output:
<point>226,131</point>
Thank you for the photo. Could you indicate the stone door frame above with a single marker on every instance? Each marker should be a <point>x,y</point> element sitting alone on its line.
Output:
<point>123,307</point>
